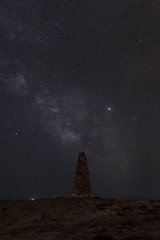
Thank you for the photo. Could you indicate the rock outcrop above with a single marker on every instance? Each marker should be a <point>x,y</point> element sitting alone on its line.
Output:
<point>80,218</point>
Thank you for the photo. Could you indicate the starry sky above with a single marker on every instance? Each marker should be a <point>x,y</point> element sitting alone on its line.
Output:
<point>79,76</point>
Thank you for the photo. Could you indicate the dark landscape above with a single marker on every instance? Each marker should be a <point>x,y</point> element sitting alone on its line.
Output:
<point>79,77</point>
<point>67,218</point>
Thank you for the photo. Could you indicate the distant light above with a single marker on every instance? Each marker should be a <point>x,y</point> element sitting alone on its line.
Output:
<point>109,108</point>
<point>32,199</point>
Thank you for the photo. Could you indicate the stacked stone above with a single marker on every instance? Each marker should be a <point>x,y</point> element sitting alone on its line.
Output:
<point>81,186</point>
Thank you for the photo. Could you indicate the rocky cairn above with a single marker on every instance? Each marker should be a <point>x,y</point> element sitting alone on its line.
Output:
<point>81,186</point>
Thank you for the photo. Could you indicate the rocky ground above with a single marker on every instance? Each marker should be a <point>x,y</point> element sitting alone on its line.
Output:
<point>80,218</point>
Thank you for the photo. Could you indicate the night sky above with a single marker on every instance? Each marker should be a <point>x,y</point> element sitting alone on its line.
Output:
<point>78,76</point>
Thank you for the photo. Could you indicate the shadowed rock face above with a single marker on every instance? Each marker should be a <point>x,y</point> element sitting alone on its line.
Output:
<point>81,186</point>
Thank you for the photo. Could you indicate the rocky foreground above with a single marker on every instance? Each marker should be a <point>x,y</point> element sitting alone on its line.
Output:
<point>80,218</point>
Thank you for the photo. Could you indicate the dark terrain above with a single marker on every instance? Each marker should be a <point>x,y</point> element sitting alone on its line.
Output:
<point>67,218</point>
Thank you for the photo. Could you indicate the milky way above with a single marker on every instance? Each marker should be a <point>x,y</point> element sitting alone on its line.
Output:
<point>79,76</point>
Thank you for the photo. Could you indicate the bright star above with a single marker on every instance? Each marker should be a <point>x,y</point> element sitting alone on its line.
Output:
<point>109,108</point>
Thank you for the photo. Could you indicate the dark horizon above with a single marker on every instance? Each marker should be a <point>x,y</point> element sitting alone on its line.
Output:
<point>79,76</point>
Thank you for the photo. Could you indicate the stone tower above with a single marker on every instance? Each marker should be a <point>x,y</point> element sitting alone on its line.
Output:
<point>81,186</point>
